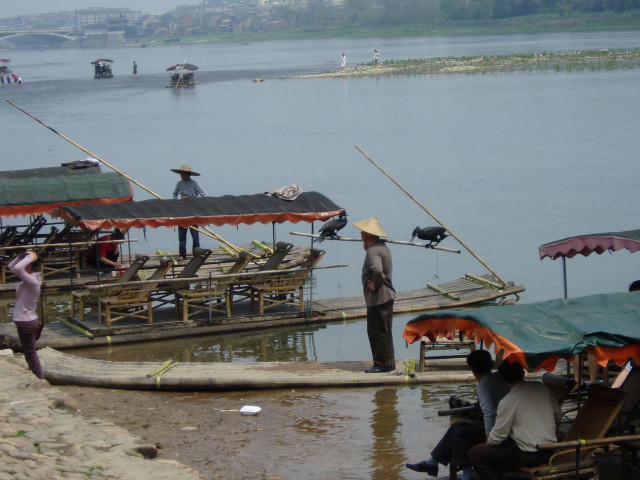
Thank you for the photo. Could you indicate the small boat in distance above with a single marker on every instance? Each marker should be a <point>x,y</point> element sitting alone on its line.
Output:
<point>182,75</point>
<point>102,68</point>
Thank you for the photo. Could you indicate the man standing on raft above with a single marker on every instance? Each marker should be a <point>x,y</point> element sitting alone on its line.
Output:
<point>379,295</point>
<point>187,188</point>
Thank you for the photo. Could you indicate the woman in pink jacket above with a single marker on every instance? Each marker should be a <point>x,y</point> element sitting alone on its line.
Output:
<point>26,268</point>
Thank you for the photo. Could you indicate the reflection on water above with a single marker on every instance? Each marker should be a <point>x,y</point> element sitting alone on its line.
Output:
<point>364,433</point>
<point>384,429</point>
<point>345,341</point>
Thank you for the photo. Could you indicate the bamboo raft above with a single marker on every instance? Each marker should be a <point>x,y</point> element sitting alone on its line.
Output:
<point>64,369</point>
<point>68,333</point>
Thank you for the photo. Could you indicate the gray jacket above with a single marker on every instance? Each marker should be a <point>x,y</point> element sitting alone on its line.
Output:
<point>379,268</point>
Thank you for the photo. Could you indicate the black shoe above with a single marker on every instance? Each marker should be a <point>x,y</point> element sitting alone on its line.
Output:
<point>424,467</point>
<point>376,369</point>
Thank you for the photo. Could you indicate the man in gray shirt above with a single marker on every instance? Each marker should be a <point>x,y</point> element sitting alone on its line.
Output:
<point>461,436</point>
<point>379,295</point>
<point>527,416</point>
<point>187,188</point>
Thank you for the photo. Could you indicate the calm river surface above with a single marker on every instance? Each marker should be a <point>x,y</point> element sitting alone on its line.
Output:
<point>506,161</point>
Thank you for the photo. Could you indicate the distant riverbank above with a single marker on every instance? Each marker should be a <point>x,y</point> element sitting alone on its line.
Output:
<point>559,62</point>
<point>576,22</point>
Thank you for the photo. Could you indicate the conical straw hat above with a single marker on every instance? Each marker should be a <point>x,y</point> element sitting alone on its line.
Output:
<point>371,226</point>
<point>185,169</point>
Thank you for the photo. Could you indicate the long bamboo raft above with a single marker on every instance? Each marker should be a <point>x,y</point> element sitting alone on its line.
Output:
<point>64,369</point>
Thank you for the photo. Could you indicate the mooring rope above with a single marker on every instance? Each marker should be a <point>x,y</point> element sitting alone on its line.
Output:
<point>162,368</point>
<point>77,328</point>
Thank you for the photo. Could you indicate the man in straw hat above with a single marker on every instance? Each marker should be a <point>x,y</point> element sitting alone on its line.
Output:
<point>187,188</point>
<point>378,294</point>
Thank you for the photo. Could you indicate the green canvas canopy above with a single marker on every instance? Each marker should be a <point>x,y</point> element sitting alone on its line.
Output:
<point>50,172</point>
<point>539,334</point>
<point>36,195</point>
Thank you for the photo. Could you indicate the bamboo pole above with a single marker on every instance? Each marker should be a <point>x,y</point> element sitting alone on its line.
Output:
<point>434,217</point>
<point>397,242</point>
<point>207,231</point>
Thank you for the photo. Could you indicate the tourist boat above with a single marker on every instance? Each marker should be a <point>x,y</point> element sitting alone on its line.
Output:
<point>182,75</point>
<point>102,68</point>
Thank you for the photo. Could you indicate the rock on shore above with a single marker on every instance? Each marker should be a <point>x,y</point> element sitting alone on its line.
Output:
<point>42,437</point>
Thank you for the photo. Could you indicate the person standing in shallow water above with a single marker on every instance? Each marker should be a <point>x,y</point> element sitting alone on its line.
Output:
<point>376,56</point>
<point>135,69</point>
<point>379,295</point>
<point>26,267</point>
<point>343,62</point>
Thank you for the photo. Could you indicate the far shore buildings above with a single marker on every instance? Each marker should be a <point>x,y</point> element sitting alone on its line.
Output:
<point>106,26</point>
<point>117,26</point>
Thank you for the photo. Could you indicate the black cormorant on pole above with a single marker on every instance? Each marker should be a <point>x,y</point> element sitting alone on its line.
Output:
<point>330,229</point>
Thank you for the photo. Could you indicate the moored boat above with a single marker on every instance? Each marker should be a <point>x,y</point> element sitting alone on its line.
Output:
<point>102,68</point>
<point>182,75</point>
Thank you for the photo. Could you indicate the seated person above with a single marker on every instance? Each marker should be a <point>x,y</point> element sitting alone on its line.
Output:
<point>461,436</point>
<point>527,416</point>
<point>105,255</point>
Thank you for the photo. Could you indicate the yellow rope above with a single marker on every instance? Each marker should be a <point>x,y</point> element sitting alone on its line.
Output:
<point>162,368</point>
<point>77,328</point>
<point>262,246</point>
<point>438,289</point>
<point>483,281</point>
<point>228,251</point>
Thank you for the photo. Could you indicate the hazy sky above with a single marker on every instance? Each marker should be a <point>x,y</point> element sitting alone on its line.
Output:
<point>13,8</point>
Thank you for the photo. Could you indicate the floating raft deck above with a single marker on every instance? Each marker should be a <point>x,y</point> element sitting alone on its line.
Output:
<point>68,333</point>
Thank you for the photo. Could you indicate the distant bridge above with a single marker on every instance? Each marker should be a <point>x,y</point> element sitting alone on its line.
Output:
<point>64,33</point>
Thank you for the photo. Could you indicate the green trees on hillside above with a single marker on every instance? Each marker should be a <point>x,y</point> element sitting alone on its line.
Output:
<point>494,9</point>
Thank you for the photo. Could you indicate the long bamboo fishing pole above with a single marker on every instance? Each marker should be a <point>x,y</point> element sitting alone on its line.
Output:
<point>206,231</point>
<point>433,216</point>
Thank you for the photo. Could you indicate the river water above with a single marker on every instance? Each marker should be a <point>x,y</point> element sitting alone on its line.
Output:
<point>506,161</point>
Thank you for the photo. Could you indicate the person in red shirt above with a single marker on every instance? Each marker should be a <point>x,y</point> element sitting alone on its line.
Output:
<point>104,255</point>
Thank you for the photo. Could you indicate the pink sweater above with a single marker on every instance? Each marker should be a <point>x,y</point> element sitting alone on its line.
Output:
<point>27,291</point>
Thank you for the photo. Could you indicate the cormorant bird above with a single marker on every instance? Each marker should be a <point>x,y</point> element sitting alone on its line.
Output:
<point>330,229</point>
<point>433,235</point>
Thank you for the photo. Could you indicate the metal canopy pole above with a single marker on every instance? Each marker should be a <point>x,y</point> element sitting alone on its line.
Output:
<point>564,275</point>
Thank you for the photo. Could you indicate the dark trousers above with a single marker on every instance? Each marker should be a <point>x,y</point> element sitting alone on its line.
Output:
<point>455,444</point>
<point>27,332</point>
<point>379,323</point>
<point>182,239</point>
<point>490,461</point>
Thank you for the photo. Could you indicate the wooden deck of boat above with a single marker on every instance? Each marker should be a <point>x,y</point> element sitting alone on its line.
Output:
<point>68,333</point>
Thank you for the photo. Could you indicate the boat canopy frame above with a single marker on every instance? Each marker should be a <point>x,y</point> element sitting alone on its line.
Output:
<point>587,244</point>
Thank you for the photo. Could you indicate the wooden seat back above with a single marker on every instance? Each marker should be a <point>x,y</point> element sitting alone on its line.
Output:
<point>220,286</point>
<point>559,386</point>
<point>592,422</point>
<point>275,259</point>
